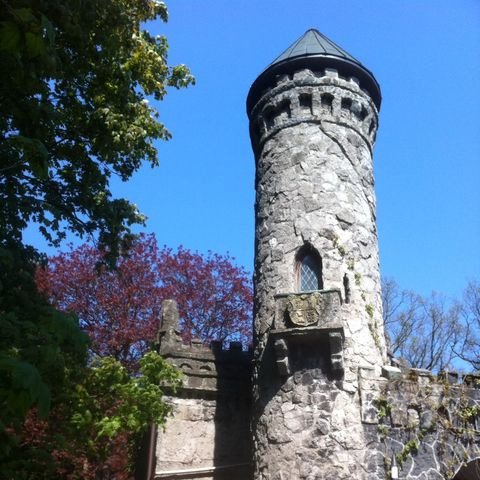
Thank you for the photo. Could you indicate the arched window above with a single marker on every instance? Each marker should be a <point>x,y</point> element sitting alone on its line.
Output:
<point>309,269</point>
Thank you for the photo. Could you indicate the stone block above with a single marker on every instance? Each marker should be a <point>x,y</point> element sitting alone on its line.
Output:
<point>369,414</point>
<point>366,373</point>
<point>392,373</point>
<point>398,416</point>
<point>322,427</point>
<point>413,417</point>
<point>449,377</point>
<point>331,72</point>
<point>283,367</point>
<point>349,387</point>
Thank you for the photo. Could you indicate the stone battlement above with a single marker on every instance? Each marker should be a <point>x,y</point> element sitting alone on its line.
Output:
<point>208,370</point>
<point>427,377</point>
<point>308,96</point>
<point>415,418</point>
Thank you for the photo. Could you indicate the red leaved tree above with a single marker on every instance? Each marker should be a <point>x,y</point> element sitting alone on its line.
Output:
<point>119,308</point>
<point>213,294</point>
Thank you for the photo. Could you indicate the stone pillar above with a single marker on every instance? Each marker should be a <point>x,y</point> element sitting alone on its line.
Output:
<point>313,121</point>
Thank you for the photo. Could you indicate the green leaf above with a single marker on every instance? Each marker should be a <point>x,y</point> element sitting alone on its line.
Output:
<point>49,29</point>
<point>34,44</point>
<point>36,155</point>
<point>9,37</point>
<point>25,15</point>
<point>28,387</point>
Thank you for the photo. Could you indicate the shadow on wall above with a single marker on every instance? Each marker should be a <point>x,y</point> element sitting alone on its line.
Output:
<point>233,441</point>
<point>309,363</point>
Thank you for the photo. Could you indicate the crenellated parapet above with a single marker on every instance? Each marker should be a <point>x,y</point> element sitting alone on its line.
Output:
<point>209,369</point>
<point>308,96</point>
<point>409,387</point>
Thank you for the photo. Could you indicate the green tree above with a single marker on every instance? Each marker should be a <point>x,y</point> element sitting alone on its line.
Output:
<point>39,348</point>
<point>74,80</point>
<point>92,431</point>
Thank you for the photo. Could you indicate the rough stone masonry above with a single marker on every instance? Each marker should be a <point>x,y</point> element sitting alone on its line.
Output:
<point>318,397</point>
<point>313,125</point>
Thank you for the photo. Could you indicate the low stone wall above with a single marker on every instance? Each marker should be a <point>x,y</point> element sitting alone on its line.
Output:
<point>427,426</point>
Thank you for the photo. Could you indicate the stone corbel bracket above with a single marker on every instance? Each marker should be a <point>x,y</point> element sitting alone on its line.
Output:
<point>335,340</point>
<point>281,354</point>
<point>305,318</point>
<point>283,338</point>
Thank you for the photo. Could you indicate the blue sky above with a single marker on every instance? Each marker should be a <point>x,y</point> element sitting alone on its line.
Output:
<point>426,57</point>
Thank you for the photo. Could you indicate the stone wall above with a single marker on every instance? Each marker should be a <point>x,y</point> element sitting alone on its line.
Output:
<point>428,425</point>
<point>208,435</point>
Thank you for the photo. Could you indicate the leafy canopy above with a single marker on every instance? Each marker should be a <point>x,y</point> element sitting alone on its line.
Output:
<point>214,296</point>
<point>38,344</point>
<point>93,429</point>
<point>119,309</point>
<point>74,79</point>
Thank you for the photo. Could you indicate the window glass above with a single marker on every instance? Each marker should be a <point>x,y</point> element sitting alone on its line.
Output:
<point>308,274</point>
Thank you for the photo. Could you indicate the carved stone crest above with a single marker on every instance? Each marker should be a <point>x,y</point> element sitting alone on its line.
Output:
<point>303,310</point>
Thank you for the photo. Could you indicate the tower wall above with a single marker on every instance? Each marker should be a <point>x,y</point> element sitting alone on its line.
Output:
<point>313,134</point>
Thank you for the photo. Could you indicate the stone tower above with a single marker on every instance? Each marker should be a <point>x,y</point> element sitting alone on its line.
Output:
<point>313,119</point>
<point>326,404</point>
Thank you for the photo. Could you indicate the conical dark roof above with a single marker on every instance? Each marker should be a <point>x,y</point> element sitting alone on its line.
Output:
<point>312,42</point>
<point>315,51</point>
